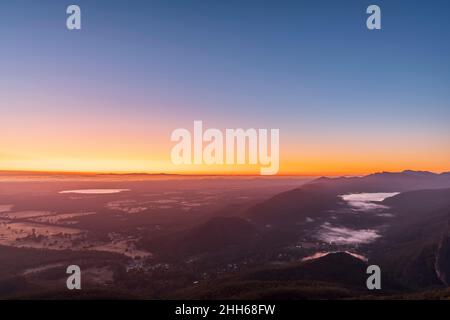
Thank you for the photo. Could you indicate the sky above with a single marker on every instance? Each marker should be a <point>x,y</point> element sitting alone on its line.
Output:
<point>106,98</point>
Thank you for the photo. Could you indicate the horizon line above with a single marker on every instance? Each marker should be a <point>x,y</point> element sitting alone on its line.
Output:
<point>125,173</point>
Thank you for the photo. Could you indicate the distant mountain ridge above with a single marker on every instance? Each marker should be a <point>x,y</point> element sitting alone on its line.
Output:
<point>406,180</point>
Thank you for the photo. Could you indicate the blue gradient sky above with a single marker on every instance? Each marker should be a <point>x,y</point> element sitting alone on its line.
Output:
<point>363,99</point>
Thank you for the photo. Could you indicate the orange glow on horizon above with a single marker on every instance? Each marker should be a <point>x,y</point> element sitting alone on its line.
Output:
<point>287,168</point>
<point>123,148</point>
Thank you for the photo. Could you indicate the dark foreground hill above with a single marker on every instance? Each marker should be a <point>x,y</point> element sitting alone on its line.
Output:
<point>416,248</point>
<point>415,243</point>
<point>322,195</point>
<point>336,275</point>
<point>216,235</point>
